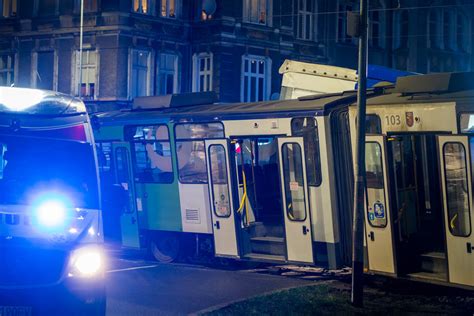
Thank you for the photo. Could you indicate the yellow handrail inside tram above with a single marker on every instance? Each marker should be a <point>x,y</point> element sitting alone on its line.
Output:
<point>244,200</point>
<point>451,223</point>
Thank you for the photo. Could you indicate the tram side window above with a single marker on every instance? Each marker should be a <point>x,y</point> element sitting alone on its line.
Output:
<point>307,128</point>
<point>466,123</point>
<point>191,152</point>
<point>457,189</point>
<point>152,153</point>
<point>220,189</point>
<point>294,182</point>
<point>122,167</point>
<point>373,125</point>
<point>375,185</point>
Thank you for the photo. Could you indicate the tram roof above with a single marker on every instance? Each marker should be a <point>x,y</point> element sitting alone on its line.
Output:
<point>408,90</point>
<point>318,104</point>
<point>38,102</point>
<point>439,87</point>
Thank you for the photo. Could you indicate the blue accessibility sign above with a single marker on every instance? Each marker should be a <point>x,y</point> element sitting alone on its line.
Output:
<point>379,210</point>
<point>371,216</point>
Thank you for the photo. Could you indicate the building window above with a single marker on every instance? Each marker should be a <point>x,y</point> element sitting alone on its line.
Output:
<point>463,37</point>
<point>140,73</point>
<point>342,9</point>
<point>448,38</point>
<point>404,29</point>
<point>168,8</point>
<point>167,74</point>
<point>44,67</point>
<point>376,28</point>
<point>401,29</point>
<point>141,6</point>
<point>202,72</point>
<point>206,10</point>
<point>46,7</point>
<point>7,70</point>
<point>86,78</point>
<point>8,8</point>
<point>255,79</point>
<point>433,29</point>
<point>89,5</point>
<point>256,11</point>
<point>306,17</point>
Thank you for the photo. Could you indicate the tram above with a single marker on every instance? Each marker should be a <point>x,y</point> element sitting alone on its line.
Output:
<point>273,181</point>
<point>50,220</point>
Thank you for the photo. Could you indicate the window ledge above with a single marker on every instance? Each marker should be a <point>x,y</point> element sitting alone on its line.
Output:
<point>256,26</point>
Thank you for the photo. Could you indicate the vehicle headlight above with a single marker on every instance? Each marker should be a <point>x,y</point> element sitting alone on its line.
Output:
<point>87,262</point>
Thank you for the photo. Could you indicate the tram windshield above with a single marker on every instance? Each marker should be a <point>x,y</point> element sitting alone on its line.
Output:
<point>31,166</point>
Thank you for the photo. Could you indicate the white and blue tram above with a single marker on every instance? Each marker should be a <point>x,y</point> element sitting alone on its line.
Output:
<point>273,181</point>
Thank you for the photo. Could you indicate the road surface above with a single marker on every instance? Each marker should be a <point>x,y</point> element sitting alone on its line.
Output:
<point>140,287</point>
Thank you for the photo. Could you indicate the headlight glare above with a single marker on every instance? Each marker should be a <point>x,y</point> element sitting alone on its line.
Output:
<point>87,262</point>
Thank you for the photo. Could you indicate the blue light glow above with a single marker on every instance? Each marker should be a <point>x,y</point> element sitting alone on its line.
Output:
<point>50,211</point>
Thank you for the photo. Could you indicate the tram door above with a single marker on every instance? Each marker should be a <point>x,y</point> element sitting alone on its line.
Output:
<point>129,219</point>
<point>456,177</point>
<point>378,226</point>
<point>295,199</point>
<point>220,191</point>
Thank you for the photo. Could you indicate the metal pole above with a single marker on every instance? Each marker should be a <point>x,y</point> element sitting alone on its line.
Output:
<point>359,188</point>
<point>80,47</point>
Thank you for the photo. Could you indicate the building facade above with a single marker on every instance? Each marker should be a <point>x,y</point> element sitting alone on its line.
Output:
<point>233,47</point>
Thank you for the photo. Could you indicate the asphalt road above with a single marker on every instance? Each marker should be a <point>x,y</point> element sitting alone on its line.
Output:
<point>138,287</point>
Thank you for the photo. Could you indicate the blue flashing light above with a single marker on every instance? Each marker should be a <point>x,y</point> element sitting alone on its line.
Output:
<point>50,211</point>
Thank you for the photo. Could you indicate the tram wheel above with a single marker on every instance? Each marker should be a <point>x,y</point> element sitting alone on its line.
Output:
<point>165,247</point>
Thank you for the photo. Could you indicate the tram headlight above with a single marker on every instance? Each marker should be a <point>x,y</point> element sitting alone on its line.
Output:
<point>87,262</point>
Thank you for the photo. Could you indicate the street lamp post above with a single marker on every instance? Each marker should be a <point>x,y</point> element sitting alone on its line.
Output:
<point>359,188</point>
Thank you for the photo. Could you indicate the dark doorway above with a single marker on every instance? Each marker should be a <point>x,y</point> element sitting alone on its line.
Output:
<point>418,210</point>
<point>262,219</point>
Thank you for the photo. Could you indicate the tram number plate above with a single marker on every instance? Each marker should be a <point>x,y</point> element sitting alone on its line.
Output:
<point>15,311</point>
<point>393,119</point>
